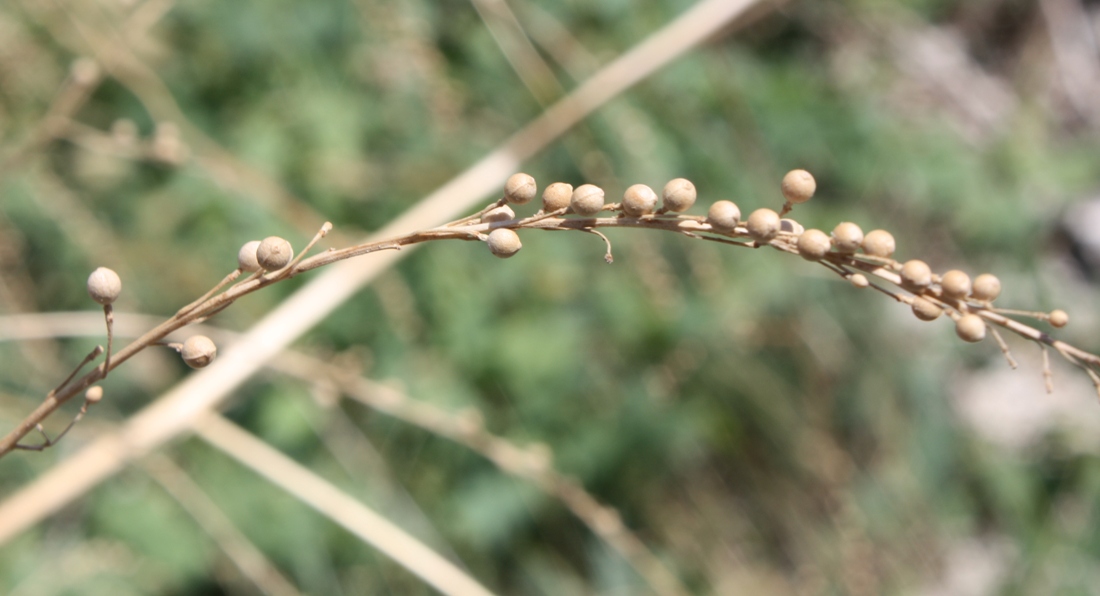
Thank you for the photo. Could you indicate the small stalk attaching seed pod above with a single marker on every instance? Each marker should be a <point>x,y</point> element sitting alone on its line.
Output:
<point>520,189</point>
<point>813,245</point>
<point>504,242</point>
<point>639,200</point>
<point>198,351</point>
<point>926,310</point>
<point>246,256</point>
<point>679,195</point>
<point>879,243</point>
<point>104,286</point>
<point>970,328</point>
<point>556,196</point>
<point>587,200</point>
<point>724,216</point>
<point>763,225</point>
<point>502,213</point>
<point>955,284</point>
<point>986,287</point>
<point>916,274</point>
<point>798,186</point>
<point>847,237</point>
<point>1059,318</point>
<point>274,253</point>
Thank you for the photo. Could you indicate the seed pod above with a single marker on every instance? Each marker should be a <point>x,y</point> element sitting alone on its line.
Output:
<point>246,256</point>
<point>502,213</point>
<point>847,237</point>
<point>724,216</point>
<point>916,274</point>
<point>679,195</point>
<point>970,328</point>
<point>859,280</point>
<point>198,351</point>
<point>94,394</point>
<point>520,189</point>
<point>587,200</point>
<point>274,253</point>
<point>104,285</point>
<point>556,196</point>
<point>639,200</point>
<point>790,226</point>
<point>813,245</point>
<point>504,242</point>
<point>986,287</point>
<point>1059,318</point>
<point>879,243</point>
<point>955,284</point>
<point>763,225</point>
<point>798,186</point>
<point>926,310</point>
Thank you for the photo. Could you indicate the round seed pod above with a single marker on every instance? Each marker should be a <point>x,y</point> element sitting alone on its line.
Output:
<point>879,243</point>
<point>970,328</point>
<point>955,284</point>
<point>1059,318</point>
<point>986,287</point>
<point>813,245</point>
<point>274,253</point>
<point>724,216</point>
<point>847,237</point>
<point>94,394</point>
<point>798,186</point>
<point>104,286</point>
<point>587,199</point>
<point>679,195</point>
<point>520,189</point>
<point>502,213</point>
<point>926,310</point>
<point>916,274</point>
<point>639,200</point>
<point>859,280</point>
<point>198,351</point>
<point>246,256</point>
<point>556,196</point>
<point>504,242</point>
<point>790,226</point>
<point>763,225</point>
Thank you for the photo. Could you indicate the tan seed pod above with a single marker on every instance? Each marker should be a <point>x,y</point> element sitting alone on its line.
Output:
<point>847,237</point>
<point>639,200</point>
<point>955,284</point>
<point>198,351</point>
<point>587,200</point>
<point>246,256</point>
<point>679,195</point>
<point>556,196</point>
<point>813,245</point>
<point>724,216</point>
<point>926,310</point>
<point>504,242</point>
<point>790,226</point>
<point>274,253</point>
<point>1059,318</point>
<point>94,394</point>
<point>798,186</point>
<point>986,287</point>
<point>502,213</point>
<point>879,243</point>
<point>916,274</point>
<point>104,285</point>
<point>859,280</point>
<point>763,224</point>
<point>520,189</point>
<point>970,328</point>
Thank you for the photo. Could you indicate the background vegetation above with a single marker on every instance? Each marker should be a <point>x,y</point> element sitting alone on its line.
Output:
<point>762,427</point>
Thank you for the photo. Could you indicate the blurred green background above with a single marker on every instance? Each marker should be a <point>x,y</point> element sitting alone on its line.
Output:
<point>762,427</point>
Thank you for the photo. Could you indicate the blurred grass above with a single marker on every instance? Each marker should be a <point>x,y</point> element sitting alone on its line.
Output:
<point>764,428</point>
